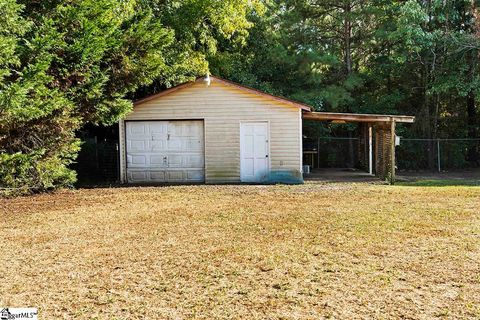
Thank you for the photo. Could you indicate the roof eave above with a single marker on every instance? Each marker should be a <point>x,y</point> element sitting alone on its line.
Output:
<point>163,93</point>
<point>356,117</point>
<point>267,95</point>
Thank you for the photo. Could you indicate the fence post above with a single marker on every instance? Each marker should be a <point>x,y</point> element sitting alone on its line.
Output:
<point>318,152</point>
<point>117,160</point>
<point>438,155</point>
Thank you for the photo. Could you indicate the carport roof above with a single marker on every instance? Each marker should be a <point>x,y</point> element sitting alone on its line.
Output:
<point>356,117</point>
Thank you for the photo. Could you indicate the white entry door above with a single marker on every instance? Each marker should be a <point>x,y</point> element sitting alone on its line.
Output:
<point>254,151</point>
<point>165,151</point>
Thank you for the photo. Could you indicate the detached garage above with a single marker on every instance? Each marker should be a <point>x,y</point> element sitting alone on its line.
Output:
<point>213,131</point>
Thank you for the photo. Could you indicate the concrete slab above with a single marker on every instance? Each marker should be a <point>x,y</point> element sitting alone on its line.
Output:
<point>339,175</point>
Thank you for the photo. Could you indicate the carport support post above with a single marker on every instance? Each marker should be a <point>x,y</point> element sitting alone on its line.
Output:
<point>392,151</point>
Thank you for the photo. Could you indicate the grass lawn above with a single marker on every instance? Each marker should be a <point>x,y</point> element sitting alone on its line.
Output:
<point>244,252</point>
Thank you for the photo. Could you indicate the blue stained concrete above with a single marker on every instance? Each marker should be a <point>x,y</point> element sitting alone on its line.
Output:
<point>285,176</point>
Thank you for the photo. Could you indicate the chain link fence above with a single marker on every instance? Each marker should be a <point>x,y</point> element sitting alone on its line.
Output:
<point>438,154</point>
<point>412,154</point>
<point>97,162</point>
<point>330,152</point>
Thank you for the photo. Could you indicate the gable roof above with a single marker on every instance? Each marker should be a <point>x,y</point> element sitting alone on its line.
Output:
<point>228,83</point>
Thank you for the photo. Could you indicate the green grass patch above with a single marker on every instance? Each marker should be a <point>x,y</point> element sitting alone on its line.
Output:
<point>439,183</point>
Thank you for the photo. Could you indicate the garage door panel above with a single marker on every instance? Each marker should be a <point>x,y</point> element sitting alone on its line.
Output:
<point>137,160</point>
<point>158,128</point>
<point>175,161</point>
<point>157,176</point>
<point>195,161</point>
<point>138,128</point>
<point>165,151</point>
<point>174,145</point>
<point>159,137</point>
<point>138,145</point>
<point>158,145</point>
<point>195,175</point>
<point>137,176</point>
<point>158,160</point>
<point>185,161</point>
<point>194,145</point>
<point>175,176</point>
<point>179,128</point>
<point>173,128</point>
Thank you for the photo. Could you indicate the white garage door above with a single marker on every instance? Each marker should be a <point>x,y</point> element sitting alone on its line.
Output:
<point>165,151</point>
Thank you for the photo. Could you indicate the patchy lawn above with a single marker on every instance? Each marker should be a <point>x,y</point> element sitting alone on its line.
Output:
<point>244,252</point>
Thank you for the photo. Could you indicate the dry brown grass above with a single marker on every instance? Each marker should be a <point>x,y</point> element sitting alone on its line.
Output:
<point>244,252</point>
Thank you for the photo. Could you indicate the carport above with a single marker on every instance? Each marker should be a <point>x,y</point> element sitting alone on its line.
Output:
<point>377,138</point>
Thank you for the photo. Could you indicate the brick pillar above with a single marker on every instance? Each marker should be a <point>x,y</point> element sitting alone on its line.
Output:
<point>383,151</point>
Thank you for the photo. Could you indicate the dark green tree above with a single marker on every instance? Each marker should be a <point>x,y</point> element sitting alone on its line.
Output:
<point>65,64</point>
<point>370,56</point>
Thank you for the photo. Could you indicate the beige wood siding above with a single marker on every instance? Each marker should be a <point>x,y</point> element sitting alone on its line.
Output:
<point>223,107</point>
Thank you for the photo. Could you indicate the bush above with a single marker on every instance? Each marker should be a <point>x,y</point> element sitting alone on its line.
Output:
<point>26,173</point>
